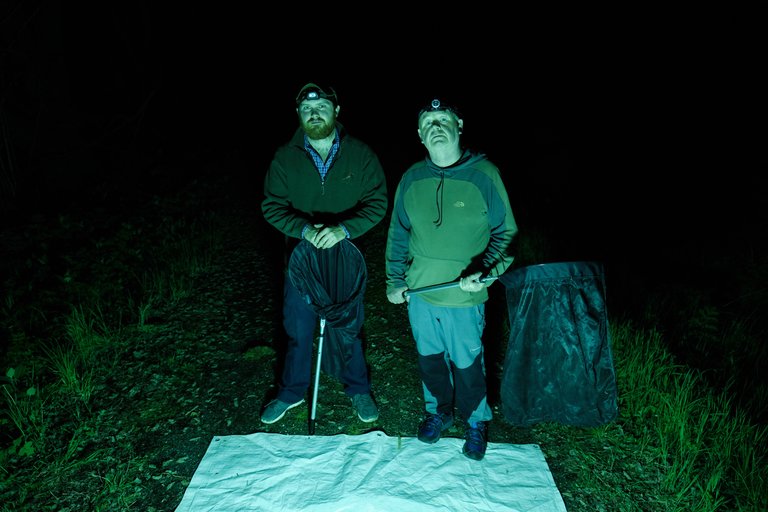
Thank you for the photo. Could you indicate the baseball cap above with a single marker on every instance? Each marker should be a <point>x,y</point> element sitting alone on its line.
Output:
<point>436,105</point>
<point>315,92</point>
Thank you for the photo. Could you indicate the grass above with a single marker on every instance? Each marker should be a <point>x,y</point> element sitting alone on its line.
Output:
<point>110,404</point>
<point>690,431</point>
<point>26,411</point>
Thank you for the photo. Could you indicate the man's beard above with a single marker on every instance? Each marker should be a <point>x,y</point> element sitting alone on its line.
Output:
<point>318,131</point>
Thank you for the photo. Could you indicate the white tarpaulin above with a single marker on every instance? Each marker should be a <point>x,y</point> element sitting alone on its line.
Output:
<point>367,473</point>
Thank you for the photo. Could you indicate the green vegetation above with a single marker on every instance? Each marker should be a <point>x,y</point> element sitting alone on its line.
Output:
<point>129,349</point>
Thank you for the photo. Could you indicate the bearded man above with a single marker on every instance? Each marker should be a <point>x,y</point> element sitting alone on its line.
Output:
<point>323,186</point>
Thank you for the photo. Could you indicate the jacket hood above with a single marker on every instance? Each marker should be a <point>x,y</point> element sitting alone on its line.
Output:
<point>467,159</point>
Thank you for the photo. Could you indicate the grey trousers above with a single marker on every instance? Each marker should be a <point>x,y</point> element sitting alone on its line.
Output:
<point>451,361</point>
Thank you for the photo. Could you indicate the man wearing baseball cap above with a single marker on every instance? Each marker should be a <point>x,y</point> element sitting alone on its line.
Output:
<point>323,186</point>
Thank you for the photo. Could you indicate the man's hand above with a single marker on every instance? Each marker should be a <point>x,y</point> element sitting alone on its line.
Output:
<point>472,283</point>
<point>324,237</point>
<point>397,295</point>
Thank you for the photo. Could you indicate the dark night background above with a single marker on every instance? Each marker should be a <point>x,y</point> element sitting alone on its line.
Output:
<point>635,140</point>
<point>634,136</point>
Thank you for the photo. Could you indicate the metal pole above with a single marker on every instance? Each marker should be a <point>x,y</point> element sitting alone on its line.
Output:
<point>317,378</point>
<point>443,286</point>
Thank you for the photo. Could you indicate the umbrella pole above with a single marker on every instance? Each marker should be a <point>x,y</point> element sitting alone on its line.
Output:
<point>317,378</point>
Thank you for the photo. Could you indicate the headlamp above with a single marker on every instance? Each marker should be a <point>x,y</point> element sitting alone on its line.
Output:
<point>437,105</point>
<point>315,92</point>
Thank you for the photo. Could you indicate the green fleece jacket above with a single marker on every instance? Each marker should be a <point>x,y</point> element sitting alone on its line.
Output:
<point>447,223</point>
<point>353,193</point>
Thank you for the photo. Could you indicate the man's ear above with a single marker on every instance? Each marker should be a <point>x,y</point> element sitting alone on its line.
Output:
<point>418,130</point>
<point>338,108</point>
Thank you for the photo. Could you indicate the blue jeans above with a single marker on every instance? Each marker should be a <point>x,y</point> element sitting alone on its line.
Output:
<point>300,321</point>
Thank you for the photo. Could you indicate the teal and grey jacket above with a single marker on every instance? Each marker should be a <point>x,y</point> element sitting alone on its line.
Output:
<point>447,223</point>
<point>353,193</point>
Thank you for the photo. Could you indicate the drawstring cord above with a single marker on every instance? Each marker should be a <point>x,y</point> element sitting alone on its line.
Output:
<point>439,201</point>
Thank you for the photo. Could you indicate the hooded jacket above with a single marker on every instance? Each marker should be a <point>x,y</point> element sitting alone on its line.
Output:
<point>353,192</point>
<point>447,223</point>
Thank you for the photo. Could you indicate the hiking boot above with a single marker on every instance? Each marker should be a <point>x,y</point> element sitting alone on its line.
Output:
<point>276,409</point>
<point>432,426</point>
<point>366,409</point>
<point>476,440</point>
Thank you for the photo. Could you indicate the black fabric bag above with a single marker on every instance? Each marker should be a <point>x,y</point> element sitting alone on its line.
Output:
<point>333,282</point>
<point>558,365</point>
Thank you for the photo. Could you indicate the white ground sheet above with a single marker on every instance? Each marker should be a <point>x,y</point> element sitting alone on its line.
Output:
<point>367,473</point>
